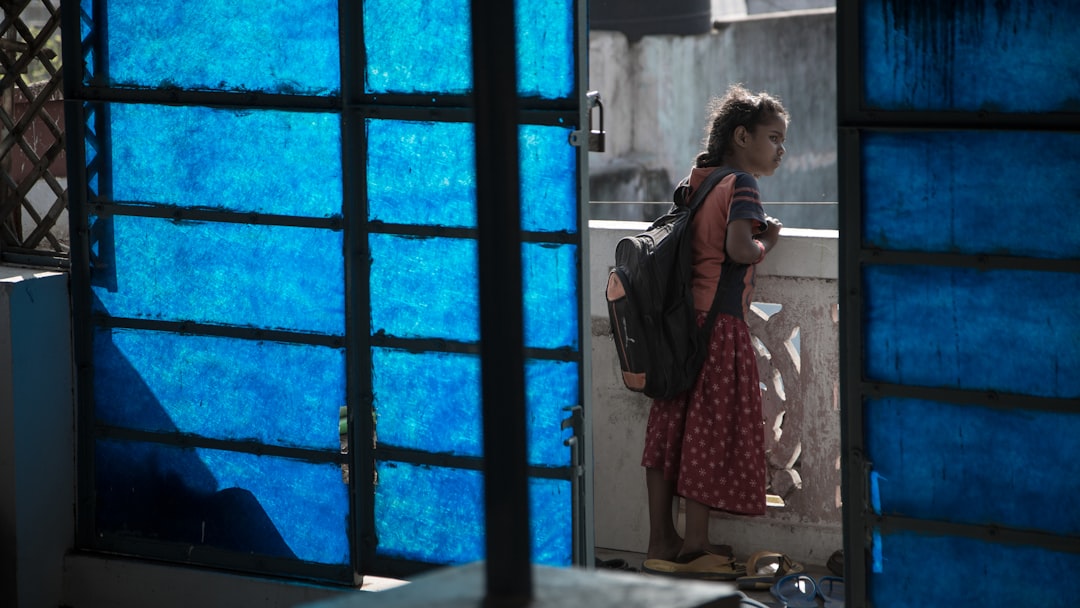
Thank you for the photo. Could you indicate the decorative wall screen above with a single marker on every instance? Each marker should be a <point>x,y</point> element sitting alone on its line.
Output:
<point>960,147</point>
<point>275,281</point>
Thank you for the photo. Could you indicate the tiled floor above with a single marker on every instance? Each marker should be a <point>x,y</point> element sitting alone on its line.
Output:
<point>634,560</point>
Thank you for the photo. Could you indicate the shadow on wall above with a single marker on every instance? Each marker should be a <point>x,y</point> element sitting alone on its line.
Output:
<point>154,491</point>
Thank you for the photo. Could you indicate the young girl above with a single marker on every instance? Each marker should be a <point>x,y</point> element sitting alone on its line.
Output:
<point>707,445</point>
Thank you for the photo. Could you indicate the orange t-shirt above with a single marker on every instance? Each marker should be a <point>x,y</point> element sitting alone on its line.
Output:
<point>735,197</point>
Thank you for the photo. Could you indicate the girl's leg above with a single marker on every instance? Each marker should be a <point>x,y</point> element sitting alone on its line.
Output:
<point>664,539</point>
<point>697,528</point>
<point>697,531</point>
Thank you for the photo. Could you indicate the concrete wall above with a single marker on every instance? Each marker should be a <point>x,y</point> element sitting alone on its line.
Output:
<point>754,7</point>
<point>803,451</point>
<point>655,92</point>
<point>37,439</point>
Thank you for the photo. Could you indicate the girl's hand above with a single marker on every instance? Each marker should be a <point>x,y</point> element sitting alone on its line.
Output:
<point>772,231</point>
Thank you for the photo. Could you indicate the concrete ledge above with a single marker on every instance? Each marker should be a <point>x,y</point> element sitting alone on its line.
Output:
<point>101,581</point>
<point>803,253</point>
<point>465,587</point>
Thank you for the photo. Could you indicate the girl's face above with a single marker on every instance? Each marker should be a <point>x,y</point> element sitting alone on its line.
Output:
<point>764,147</point>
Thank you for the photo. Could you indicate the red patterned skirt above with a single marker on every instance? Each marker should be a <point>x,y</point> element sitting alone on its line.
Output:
<point>710,440</point>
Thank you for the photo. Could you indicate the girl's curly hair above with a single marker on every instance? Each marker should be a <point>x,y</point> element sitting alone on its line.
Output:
<point>738,107</point>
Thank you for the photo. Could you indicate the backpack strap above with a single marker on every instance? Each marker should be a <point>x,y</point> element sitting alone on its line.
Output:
<point>696,199</point>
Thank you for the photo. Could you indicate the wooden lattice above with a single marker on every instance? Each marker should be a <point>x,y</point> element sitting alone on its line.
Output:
<point>33,186</point>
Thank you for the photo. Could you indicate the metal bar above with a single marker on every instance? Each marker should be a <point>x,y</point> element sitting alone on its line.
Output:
<point>203,214</point>
<point>584,528</point>
<point>506,495</point>
<point>389,101</point>
<point>854,488</point>
<point>441,345</point>
<point>9,200</point>
<point>984,398</point>
<point>388,453</point>
<point>221,331</point>
<point>183,440</point>
<point>447,108</point>
<point>28,257</point>
<point>853,471</point>
<point>82,329</point>
<point>979,261</point>
<point>359,393</point>
<point>989,533</point>
<point>213,99</point>
<point>562,238</point>
<point>940,120</point>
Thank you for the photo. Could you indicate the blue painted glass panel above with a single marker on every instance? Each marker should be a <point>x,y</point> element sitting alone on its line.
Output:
<point>288,46</point>
<point>239,502</point>
<point>418,46</point>
<point>550,279</point>
<point>427,287</point>
<point>551,521</point>
<point>431,401</point>
<point>424,173</point>
<point>276,277</point>
<point>436,515</point>
<point>549,180</point>
<point>421,173</point>
<point>545,48</point>
<point>1004,330</point>
<point>969,572</point>
<point>972,192</point>
<point>424,287</point>
<point>428,401</point>
<point>550,386</point>
<point>252,161</point>
<point>429,514</point>
<point>975,465</point>
<point>221,388</point>
<point>1001,55</point>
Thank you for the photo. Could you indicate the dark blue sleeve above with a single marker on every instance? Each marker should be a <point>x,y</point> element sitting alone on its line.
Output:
<point>746,201</point>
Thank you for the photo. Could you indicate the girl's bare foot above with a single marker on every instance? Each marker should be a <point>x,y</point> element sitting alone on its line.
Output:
<point>664,550</point>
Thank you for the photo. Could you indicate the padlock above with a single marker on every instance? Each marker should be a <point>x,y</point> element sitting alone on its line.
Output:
<point>596,137</point>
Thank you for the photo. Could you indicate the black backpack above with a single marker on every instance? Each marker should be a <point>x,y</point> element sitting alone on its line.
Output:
<point>650,303</point>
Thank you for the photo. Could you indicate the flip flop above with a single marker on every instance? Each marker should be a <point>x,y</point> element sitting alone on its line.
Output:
<point>836,562</point>
<point>766,567</point>
<point>831,589</point>
<point>795,591</point>
<point>614,564</point>
<point>705,566</point>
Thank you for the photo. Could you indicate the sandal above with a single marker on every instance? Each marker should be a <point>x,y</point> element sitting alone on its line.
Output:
<point>614,564</point>
<point>831,589</point>
<point>795,591</point>
<point>766,567</point>
<point>703,566</point>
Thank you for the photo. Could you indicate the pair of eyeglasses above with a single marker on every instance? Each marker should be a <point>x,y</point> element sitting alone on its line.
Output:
<point>802,591</point>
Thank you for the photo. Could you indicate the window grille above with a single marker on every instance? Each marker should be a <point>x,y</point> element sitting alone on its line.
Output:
<point>278,201</point>
<point>33,175</point>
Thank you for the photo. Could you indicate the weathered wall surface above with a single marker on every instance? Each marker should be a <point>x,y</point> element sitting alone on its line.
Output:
<point>655,92</point>
<point>799,364</point>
